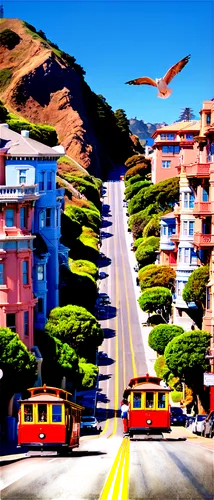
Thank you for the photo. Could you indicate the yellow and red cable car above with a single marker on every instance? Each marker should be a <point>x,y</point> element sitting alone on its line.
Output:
<point>49,419</point>
<point>149,409</point>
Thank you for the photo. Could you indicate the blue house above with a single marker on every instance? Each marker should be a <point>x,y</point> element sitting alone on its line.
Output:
<point>35,164</point>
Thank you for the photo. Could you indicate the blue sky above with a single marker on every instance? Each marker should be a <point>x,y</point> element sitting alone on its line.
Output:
<point>116,41</point>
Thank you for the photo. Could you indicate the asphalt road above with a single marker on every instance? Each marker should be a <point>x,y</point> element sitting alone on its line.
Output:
<point>107,466</point>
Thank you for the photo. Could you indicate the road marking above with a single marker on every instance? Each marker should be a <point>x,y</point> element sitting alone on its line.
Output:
<point>26,472</point>
<point>116,485</point>
<point>199,446</point>
<point>116,385</point>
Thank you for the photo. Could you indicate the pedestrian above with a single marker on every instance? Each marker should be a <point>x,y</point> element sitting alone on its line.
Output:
<point>124,414</point>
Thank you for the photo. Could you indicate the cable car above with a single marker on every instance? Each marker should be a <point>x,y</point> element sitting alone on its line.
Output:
<point>48,419</point>
<point>149,409</point>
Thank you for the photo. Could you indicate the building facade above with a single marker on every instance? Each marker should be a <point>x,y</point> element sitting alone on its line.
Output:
<point>170,144</point>
<point>33,216</point>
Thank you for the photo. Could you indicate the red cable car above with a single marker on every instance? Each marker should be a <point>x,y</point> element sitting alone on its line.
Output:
<point>149,409</point>
<point>49,419</point>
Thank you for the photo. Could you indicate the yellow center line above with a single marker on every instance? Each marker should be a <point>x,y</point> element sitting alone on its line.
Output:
<point>117,483</point>
<point>115,474</point>
<point>116,381</point>
<point>125,486</point>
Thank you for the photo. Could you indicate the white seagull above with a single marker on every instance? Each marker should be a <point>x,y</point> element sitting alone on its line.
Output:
<point>162,83</point>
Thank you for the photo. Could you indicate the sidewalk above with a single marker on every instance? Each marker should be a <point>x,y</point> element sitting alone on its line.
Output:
<point>149,353</point>
<point>9,451</point>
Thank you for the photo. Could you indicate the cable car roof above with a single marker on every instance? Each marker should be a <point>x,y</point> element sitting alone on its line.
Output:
<point>147,386</point>
<point>144,378</point>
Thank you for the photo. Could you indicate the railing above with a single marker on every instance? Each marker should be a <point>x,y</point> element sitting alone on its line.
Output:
<point>18,192</point>
<point>198,170</point>
<point>203,239</point>
<point>202,207</point>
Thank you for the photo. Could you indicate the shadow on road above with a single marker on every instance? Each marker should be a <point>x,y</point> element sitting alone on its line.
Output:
<point>103,414</point>
<point>109,333</point>
<point>106,223</point>
<point>106,361</point>
<point>104,377</point>
<point>104,262</point>
<point>104,235</point>
<point>102,398</point>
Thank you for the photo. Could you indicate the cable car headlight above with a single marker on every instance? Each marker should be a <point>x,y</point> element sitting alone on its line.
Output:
<point>149,422</point>
<point>42,436</point>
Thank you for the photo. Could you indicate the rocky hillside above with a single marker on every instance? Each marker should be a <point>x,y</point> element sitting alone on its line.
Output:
<point>143,130</point>
<point>44,85</point>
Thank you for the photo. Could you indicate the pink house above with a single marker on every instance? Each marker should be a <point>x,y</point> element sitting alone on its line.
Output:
<point>171,144</point>
<point>16,246</point>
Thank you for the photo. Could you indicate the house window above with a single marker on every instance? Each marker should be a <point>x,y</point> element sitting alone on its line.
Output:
<point>9,217</point>
<point>11,321</point>
<point>1,274</point>
<point>23,217</point>
<point>25,272</point>
<point>164,231</point>
<point>22,176</point>
<point>186,255</point>
<point>49,181</point>
<point>48,217</point>
<point>191,228</point>
<point>167,137</point>
<point>10,245</point>
<point>205,195</point>
<point>185,228</point>
<point>41,181</point>
<point>208,297</point>
<point>208,118</point>
<point>171,149</point>
<point>189,137</point>
<point>166,164</point>
<point>26,323</point>
<point>193,256</point>
<point>179,254</point>
<point>40,272</point>
<point>42,219</point>
<point>57,217</point>
<point>40,305</point>
<point>189,200</point>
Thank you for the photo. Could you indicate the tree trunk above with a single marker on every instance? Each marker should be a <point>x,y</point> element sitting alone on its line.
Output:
<point>201,409</point>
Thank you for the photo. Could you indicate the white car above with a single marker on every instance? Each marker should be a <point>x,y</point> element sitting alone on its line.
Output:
<point>103,275</point>
<point>209,425</point>
<point>198,425</point>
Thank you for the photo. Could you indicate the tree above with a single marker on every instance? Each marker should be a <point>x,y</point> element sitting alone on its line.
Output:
<point>146,252</point>
<point>77,327</point>
<point>88,374</point>
<point>132,180</point>
<point>59,360</point>
<point>18,364</point>
<point>165,194</point>
<point>195,288</point>
<point>142,168</point>
<point>3,113</point>
<point>185,358</point>
<point>186,114</point>
<point>138,221</point>
<point>77,287</point>
<point>133,189</point>
<point>152,227</point>
<point>159,366</point>
<point>161,335</point>
<point>156,299</point>
<point>157,275</point>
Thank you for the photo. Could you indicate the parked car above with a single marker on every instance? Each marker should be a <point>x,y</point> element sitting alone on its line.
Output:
<point>102,255</point>
<point>198,425</point>
<point>89,423</point>
<point>189,421</point>
<point>177,417</point>
<point>104,298</point>
<point>102,354</point>
<point>136,268</point>
<point>208,430</point>
<point>103,275</point>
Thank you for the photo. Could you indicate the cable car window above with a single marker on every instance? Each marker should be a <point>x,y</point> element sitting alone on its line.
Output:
<point>161,400</point>
<point>28,413</point>
<point>56,413</point>
<point>136,400</point>
<point>149,400</point>
<point>42,413</point>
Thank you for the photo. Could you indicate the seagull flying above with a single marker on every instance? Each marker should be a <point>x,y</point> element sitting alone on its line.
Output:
<point>162,83</point>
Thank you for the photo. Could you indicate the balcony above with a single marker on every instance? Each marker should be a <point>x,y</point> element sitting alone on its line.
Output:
<point>203,240</point>
<point>198,170</point>
<point>203,208</point>
<point>18,193</point>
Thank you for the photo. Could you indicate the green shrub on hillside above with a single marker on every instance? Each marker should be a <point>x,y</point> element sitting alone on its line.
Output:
<point>85,187</point>
<point>77,287</point>
<point>138,221</point>
<point>133,189</point>
<point>165,194</point>
<point>152,227</point>
<point>195,288</point>
<point>160,366</point>
<point>5,77</point>
<point>156,299</point>
<point>88,374</point>
<point>132,180</point>
<point>84,216</point>
<point>143,169</point>
<point>42,133</point>
<point>9,39</point>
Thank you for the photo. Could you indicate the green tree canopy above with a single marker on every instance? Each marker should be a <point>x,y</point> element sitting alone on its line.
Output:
<point>88,373</point>
<point>84,216</point>
<point>84,266</point>
<point>165,193</point>
<point>77,327</point>
<point>157,275</point>
<point>133,189</point>
<point>77,287</point>
<point>159,366</point>
<point>152,227</point>
<point>132,180</point>
<point>146,251</point>
<point>88,189</point>
<point>142,169</point>
<point>195,288</point>
<point>185,358</point>
<point>155,299</point>
<point>18,364</point>
<point>161,335</point>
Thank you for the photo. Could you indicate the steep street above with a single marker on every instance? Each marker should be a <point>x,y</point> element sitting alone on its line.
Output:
<point>107,466</point>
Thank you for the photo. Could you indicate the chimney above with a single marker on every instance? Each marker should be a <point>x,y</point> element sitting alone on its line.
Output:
<point>25,133</point>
